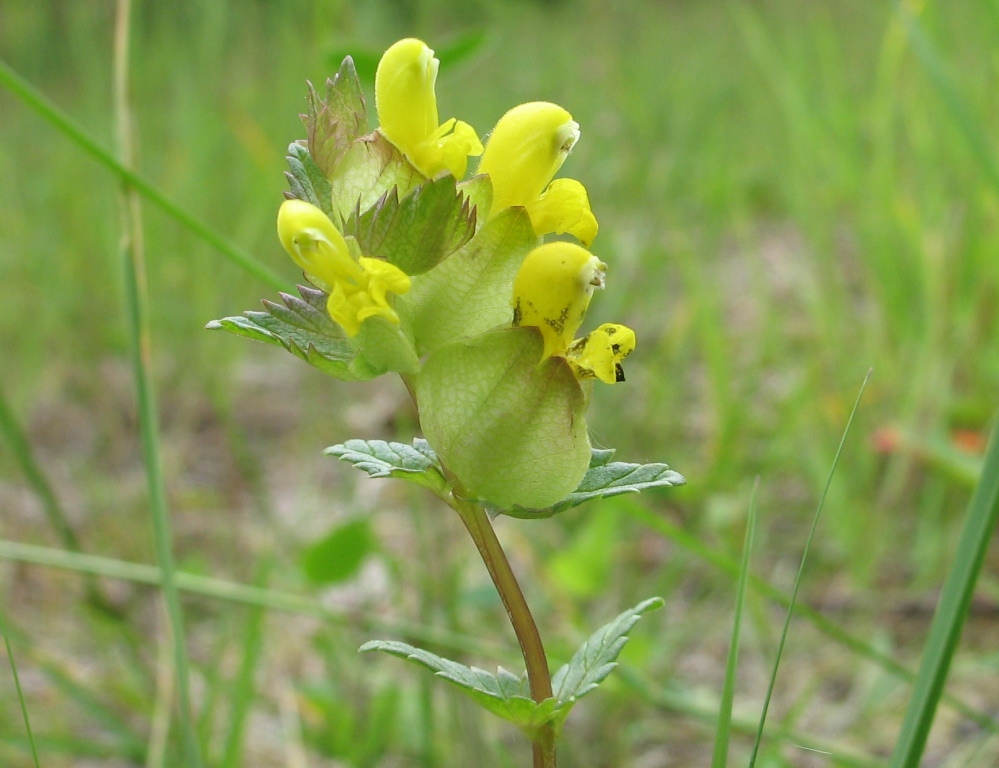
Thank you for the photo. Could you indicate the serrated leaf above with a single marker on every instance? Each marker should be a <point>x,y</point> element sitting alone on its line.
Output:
<point>339,555</point>
<point>503,694</point>
<point>418,231</point>
<point>416,463</point>
<point>596,658</point>
<point>471,292</point>
<point>370,167</point>
<point>304,328</point>
<point>337,119</point>
<point>605,478</point>
<point>306,180</point>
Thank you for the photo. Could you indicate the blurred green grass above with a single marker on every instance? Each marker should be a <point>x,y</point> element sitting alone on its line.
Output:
<point>787,197</point>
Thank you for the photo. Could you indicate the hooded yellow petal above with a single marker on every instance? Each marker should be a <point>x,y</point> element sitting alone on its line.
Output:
<point>404,93</point>
<point>407,112</point>
<point>553,289</point>
<point>313,243</point>
<point>525,150</point>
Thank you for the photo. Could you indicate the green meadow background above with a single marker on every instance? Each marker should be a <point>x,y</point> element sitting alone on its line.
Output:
<point>789,194</point>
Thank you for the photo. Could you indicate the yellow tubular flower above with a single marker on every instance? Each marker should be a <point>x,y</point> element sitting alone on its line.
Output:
<point>357,289</point>
<point>552,291</point>
<point>525,151</point>
<point>600,352</point>
<point>407,112</point>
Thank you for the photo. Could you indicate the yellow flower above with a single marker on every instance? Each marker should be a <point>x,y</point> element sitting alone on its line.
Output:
<point>600,352</point>
<point>552,291</point>
<point>407,110</point>
<point>357,289</point>
<point>524,152</point>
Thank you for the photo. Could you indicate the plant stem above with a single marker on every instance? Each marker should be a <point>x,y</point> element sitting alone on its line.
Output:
<point>539,678</point>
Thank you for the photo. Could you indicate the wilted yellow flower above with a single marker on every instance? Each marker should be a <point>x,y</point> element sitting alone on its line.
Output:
<point>600,352</point>
<point>553,289</point>
<point>552,292</point>
<point>357,289</point>
<point>407,111</point>
<point>524,152</point>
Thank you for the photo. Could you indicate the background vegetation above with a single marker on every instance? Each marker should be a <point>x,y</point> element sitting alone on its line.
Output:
<point>789,194</point>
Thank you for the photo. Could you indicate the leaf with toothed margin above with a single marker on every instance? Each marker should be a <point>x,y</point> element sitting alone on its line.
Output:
<point>604,478</point>
<point>304,328</point>
<point>418,231</point>
<point>596,658</point>
<point>336,119</point>
<point>509,696</point>
<point>306,179</point>
<point>368,168</point>
<point>416,463</point>
<point>503,694</point>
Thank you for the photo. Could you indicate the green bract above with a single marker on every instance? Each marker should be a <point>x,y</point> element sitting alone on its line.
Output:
<point>512,430</point>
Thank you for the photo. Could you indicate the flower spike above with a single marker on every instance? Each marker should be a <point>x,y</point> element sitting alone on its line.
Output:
<point>406,101</point>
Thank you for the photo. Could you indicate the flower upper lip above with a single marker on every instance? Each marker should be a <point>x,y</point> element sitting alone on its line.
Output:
<point>406,101</point>
<point>524,152</point>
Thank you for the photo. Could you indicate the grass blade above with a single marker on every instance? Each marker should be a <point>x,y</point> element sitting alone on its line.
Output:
<point>243,692</point>
<point>936,69</point>
<point>37,101</point>
<point>21,448</point>
<point>720,756</point>
<point>17,686</point>
<point>669,699</point>
<point>133,262</point>
<point>823,624</point>
<point>801,572</point>
<point>234,592</point>
<point>952,610</point>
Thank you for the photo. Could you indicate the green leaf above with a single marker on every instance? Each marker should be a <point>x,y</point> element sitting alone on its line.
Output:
<point>511,427</point>
<point>503,694</point>
<point>306,180</point>
<point>338,555</point>
<point>508,695</point>
<point>304,328</point>
<point>604,478</point>
<point>337,119</point>
<point>369,168</point>
<point>471,292</point>
<point>416,463</point>
<point>418,231</point>
<point>596,658</point>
